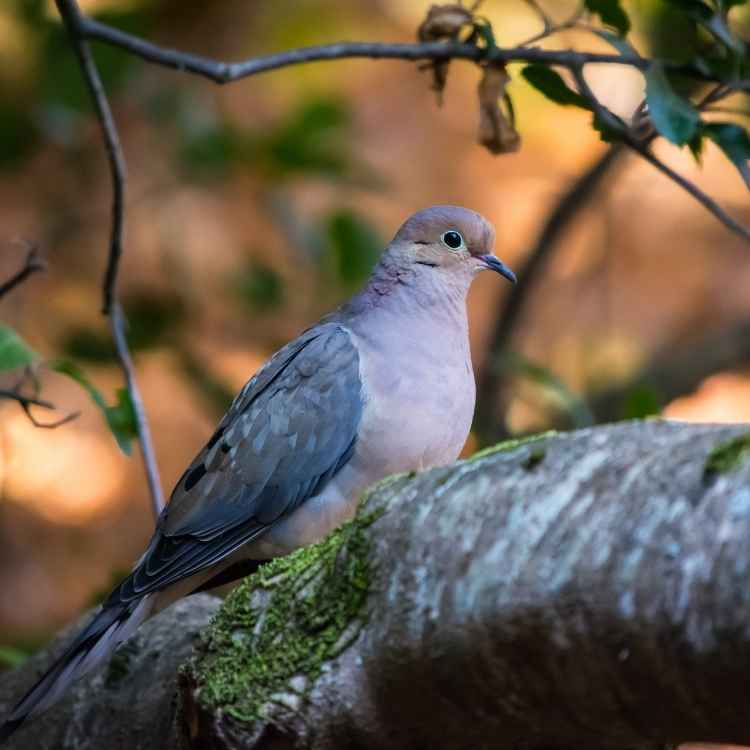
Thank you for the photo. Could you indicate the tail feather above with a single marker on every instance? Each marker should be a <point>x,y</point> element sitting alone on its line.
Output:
<point>96,641</point>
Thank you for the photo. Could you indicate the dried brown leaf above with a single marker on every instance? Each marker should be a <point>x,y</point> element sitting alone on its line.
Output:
<point>497,131</point>
<point>443,23</point>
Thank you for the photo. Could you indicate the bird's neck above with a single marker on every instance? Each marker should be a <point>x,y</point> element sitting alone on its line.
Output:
<point>416,291</point>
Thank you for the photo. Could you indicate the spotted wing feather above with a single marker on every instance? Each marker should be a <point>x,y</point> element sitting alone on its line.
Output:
<point>288,432</point>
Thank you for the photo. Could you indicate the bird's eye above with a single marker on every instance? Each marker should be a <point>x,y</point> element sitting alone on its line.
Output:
<point>453,239</point>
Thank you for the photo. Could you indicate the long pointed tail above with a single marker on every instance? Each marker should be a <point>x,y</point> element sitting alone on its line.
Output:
<point>97,640</point>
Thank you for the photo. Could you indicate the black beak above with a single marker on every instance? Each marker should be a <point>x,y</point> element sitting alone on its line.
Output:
<point>495,264</point>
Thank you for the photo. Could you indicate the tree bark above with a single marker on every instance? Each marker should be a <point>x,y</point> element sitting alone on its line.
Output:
<point>126,704</point>
<point>588,589</point>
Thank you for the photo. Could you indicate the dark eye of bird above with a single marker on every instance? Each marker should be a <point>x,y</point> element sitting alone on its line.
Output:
<point>453,239</point>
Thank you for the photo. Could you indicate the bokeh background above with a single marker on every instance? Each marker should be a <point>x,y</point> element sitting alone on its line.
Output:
<point>255,207</point>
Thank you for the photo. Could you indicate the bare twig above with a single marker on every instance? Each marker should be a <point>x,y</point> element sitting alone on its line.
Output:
<point>82,28</point>
<point>117,325</point>
<point>641,148</point>
<point>32,264</point>
<point>489,394</point>
<point>26,402</point>
<point>544,17</point>
<point>549,27</point>
<point>224,72</point>
<point>74,22</point>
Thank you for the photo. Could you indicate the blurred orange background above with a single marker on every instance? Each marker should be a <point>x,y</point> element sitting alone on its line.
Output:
<point>254,208</point>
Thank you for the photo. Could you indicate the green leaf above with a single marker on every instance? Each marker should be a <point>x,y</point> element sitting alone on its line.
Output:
<point>120,417</point>
<point>608,132</point>
<point>696,147</point>
<point>611,13</point>
<point>672,115</point>
<point>484,29</point>
<point>551,84</point>
<point>14,352</point>
<point>734,141</point>
<point>696,8</point>
<point>121,420</point>
<point>623,46</point>
<point>713,21</point>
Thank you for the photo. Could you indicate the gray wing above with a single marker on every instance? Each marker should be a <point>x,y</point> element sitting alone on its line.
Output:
<point>288,432</point>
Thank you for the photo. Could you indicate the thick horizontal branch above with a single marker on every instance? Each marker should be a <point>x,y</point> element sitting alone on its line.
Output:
<point>587,590</point>
<point>225,72</point>
<point>581,590</point>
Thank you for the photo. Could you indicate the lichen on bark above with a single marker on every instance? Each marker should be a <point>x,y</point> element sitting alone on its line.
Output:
<point>505,446</point>
<point>279,627</point>
<point>727,456</point>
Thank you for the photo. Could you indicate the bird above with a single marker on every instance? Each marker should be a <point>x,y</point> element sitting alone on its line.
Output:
<point>383,384</point>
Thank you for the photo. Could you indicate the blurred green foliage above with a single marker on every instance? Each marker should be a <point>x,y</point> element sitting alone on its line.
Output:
<point>152,319</point>
<point>18,135</point>
<point>14,351</point>
<point>642,401</point>
<point>49,103</point>
<point>216,394</point>
<point>260,286</point>
<point>120,417</point>
<point>310,141</point>
<point>551,387</point>
<point>353,247</point>
<point>12,656</point>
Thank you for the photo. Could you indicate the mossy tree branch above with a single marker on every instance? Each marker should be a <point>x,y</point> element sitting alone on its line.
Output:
<point>578,590</point>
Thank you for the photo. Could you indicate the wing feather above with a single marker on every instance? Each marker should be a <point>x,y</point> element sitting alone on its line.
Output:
<point>286,435</point>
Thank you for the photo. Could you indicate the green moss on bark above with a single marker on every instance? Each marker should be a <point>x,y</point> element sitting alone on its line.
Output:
<point>286,621</point>
<point>510,445</point>
<point>727,456</point>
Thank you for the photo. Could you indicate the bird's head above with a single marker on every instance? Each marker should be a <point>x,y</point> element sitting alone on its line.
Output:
<point>449,239</point>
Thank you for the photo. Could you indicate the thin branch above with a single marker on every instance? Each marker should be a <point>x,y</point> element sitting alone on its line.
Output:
<point>74,22</point>
<point>488,425</point>
<point>609,119</point>
<point>705,200</point>
<point>32,264</point>
<point>26,402</point>
<point>547,22</point>
<point>117,326</point>
<point>82,27</point>
<point>549,27</point>
<point>14,395</point>
<point>225,72</point>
